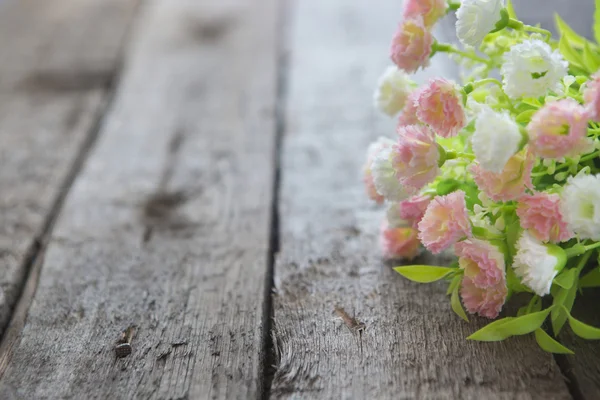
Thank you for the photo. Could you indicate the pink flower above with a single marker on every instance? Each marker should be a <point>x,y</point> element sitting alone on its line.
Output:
<point>482,262</point>
<point>372,152</point>
<point>540,214</point>
<point>440,106</point>
<point>559,129</point>
<point>445,222</point>
<point>591,95</point>
<point>429,10</point>
<point>486,302</point>
<point>411,45</point>
<point>416,156</point>
<point>413,209</point>
<point>399,243</point>
<point>511,183</point>
<point>409,113</point>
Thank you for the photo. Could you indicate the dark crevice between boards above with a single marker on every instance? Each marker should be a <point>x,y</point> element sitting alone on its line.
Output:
<point>563,363</point>
<point>32,263</point>
<point>269,357</point>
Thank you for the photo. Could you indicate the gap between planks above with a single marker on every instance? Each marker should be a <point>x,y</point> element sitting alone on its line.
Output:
<point>269,341</point>
<point>34,259</point>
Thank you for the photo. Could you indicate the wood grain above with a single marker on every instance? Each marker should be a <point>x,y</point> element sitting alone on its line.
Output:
<point>58,61</point>
<point>413,345</point>
<point>167,227</point>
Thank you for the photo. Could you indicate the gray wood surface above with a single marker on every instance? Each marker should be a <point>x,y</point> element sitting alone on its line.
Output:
<point>59,59</point>
<point>167,227</point>
<point>413,345</point>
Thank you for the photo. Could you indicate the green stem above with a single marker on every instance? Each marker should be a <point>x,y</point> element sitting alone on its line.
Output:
<point>589,157</point>
<point>453,5</point>
<point>537,30</point>
<point>448,48</point>
<point>580,249</point>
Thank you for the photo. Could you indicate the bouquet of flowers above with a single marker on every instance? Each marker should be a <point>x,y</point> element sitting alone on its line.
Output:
<point>503,170</point>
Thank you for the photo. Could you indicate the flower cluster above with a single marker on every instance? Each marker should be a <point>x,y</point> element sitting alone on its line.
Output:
<point>504,173</point>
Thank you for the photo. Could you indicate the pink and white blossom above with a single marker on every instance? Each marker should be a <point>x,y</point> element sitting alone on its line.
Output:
<point>413,209</point>
<point>399,242</point>
<point>445,222</point>
<point>487,302</point>
<point>591,95</point>
<point>415,156</point>
<point>540,213</point>
<point>559,129</point>
<point>430,10</point>
<point>411,45</point>
<point>511,183</point>
<point>439,105</point>
<point>481,261</point>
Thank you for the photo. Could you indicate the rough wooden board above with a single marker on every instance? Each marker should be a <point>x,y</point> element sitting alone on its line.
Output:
<point>413,346</point>
<point>58,60</point>
<point>167,227</point>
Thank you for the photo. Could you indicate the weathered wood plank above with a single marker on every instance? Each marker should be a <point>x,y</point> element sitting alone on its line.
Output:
<point>413,346</point>
<point>58,61</point>
<point>167,227</point>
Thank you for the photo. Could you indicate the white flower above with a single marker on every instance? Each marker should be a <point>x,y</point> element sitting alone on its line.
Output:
<point>384,177</point>
<point>580,206</point>
<point>531,68</point>
<point>476,18</point>
<point>537,264</point>
<point>496,139</point>
<point>393,89</point>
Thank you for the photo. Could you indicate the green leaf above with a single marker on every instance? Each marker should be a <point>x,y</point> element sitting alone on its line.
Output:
<point>591,59</point>
<point>565,30</point>
<point>525,116</point>
<point>591,279</point>
<point>566,298</point>
<point>511,10</point>
<point>447,186</point>
<point>566,279</point>
<point>508,327</point>
<point>513,232</point>
<point>456,306</point>
<point>549,344</point>
<point>569,53</point>
<point>597,21</point>
<point>454,284</point>
<point>582,330</point>
<point>424,273</point>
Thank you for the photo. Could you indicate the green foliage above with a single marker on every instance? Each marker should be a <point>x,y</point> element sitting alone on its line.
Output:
<point>563,298</point>
<point>591,279</point>
<point>597,21</point>
<point>566,31</point>
<point>582,330</point>
<point>566,279</point>
<point>511,326</point>
<point>424,273</point>
<point>549,344</point>
<point>456,306</point>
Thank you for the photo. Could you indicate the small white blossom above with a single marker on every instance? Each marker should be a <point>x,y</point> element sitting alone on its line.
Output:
<point>531,69</point>
<point>580,206</point>
<point>496,139</point>
<point>537,264</point>
<point>476,18</point>
<point>385,178</point>
<point>393,89</point>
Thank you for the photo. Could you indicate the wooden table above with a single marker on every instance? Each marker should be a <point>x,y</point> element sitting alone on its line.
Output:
<point>192,168</point>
